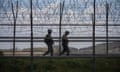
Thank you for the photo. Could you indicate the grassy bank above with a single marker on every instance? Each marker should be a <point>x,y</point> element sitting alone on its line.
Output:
<point>59,65</point>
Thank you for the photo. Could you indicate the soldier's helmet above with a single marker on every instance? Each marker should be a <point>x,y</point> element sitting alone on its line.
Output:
<point>49,30</point>
<point>67,32</point>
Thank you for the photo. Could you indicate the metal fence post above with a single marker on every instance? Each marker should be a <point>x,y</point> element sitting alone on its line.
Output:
<point>107,42</point>
<point>94,55</point>
<point>61,13</point>
<point>31,43</point>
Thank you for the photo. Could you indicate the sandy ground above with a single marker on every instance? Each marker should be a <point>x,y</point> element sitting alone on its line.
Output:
<point>22,53</point>
<point>41,53</point>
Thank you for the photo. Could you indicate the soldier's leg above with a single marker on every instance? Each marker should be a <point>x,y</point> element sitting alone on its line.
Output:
<point>47,51</point>
<point>63,51</point>
<point>68,51</point>
<point>51,50</point>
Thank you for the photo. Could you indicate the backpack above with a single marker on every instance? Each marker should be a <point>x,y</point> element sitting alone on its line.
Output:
<point>45,39</point>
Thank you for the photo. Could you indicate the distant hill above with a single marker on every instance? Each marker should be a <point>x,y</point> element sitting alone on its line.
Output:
<point>56,49</point>
<point>114,48</point>
<point>6,50</point>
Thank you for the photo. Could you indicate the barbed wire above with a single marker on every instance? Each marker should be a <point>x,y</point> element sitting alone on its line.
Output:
<point>75,11</point>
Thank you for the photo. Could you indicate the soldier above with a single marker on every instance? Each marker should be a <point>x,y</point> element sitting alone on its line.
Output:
<point>65,43</point>
<point>49,42</point>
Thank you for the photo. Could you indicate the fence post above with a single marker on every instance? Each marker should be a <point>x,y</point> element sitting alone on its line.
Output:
<point>31,43</point>
<point>94,54</point>
<point>107,42</point>
<point>61,13</point>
